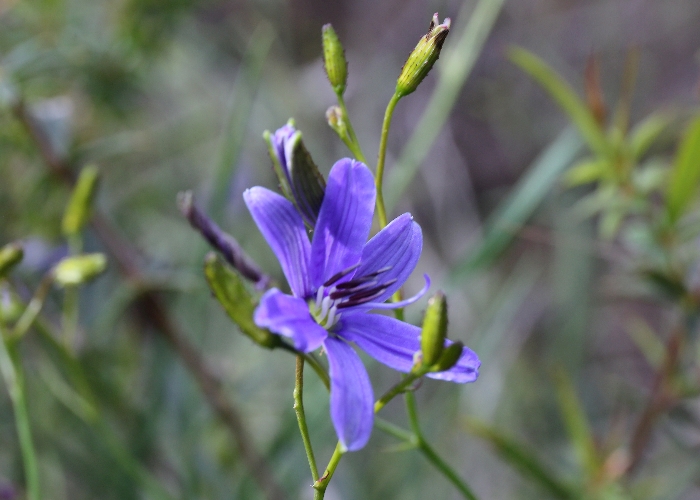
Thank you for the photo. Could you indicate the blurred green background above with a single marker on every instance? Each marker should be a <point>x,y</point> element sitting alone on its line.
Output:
<point>165,96</point>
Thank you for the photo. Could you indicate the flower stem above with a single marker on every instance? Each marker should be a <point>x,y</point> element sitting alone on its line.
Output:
<point>430,454</point>
<point>301,416</point>
<point>32,310</point>
<point>71,298</point>
<point>322,483</point>
<point>353,144</point>
<point>15,386</point>
<point>379,174</point>
<point>396,390</point>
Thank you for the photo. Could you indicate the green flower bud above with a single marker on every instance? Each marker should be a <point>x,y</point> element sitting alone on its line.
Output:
<point>434,332</point>
<point>334,60</point>
<point>450,356</point>
<point>79,206</point>
<point>334,115</point>
<point>10,255</point>
<point>76,270</point>
<point>421,60</point>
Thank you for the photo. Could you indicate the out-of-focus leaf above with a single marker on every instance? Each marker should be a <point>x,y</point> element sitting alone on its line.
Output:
<point>565,96</point>
<point>504,224</point>
<point>588,170</point>
<point>646,341</point>
<point>670,286</point>
<point>646,132</point>
<point>230,291</point>
<point>650,177</point>
<point>576,424</point>
<point>10,255</point>
<point>685,174</point>
<point>610,223</point>
<point>522,459</point>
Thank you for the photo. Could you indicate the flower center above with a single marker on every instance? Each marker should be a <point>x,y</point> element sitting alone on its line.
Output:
<point>333,297</point>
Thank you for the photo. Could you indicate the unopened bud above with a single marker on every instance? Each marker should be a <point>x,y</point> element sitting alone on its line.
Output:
<point>10,255</point>
<point>434,332</point>
<point>421,60</point>
<point>334,60</point>
<point>11,307</point>
<point>334,115</point>
<point>76,270</point>
<point>450,356</point>
<point>79,206</point>
<point>300,180</point>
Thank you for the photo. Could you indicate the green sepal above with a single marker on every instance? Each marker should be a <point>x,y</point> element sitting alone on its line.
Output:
<point>423,57</point>
<point>334,60</point>
<point>449,358</point>
<point>277,166</point>
<point>10,255</point>
<point>79,206</point>
<point>308,185</point>
<point>229,289</point>
<point>434,331</point>
<point>79,269</point>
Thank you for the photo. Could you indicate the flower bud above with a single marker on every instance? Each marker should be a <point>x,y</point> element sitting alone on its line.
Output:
<point>434,332</point>
<point>334,115</point>
<point>421,60</point>
<point>79,206</point>
<point>300,180</point>
<point>11,307</point>
<point>76,270</point>
<point>10,255</point>
<point>450,356</point>
<point>334,60</point>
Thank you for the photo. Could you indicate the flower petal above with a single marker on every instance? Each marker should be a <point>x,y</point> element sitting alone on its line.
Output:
<point>466,370</point>
<point>395,344</point>
<point>289,316</point>
<point>344,220</point>
<point>282,227</point>
<point>397,247</point>
<point>386,339</point>
<point>352,399</point>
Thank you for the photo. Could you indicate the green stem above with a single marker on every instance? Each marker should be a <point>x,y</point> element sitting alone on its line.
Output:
<point>32,310</point>
<point>318,368</point>
<point>396,390</point>
<point>71,297</point>
<point>379,175</point>
<point>352,143</point>
<point>430,454</point>
<point>301,416</point>
<point>15,386</point>
<point>322,483</point>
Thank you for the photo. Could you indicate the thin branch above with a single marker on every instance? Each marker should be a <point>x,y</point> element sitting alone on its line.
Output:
<point>155,312</point>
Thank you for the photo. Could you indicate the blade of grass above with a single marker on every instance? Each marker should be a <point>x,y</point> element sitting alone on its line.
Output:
<point>503,225</point>
<point>457,63</point>
<point>685,174</point>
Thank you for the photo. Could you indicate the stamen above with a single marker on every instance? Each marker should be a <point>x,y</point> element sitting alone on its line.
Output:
<point>331,317</point>
<point>341,294</point>
<point>341,274</point>
<point>325,305</point>
<point>319,297</point>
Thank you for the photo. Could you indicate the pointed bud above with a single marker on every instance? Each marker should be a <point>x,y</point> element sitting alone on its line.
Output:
<point>334,60</point>
<point>434,332</point>
<point>10,255</point>
<point>76,270</point>
<point>450,356</point>
<point>421,60</point>
<point>230,291</point>
<point>300,180</point>
<point>79,206</point>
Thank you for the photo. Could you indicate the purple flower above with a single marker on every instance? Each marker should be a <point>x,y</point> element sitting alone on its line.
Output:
<point>336,280</point>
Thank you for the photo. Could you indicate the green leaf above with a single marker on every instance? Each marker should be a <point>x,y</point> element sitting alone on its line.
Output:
<point>586,171</point>
<point>646,341</point>
<point>231,292</point>
<point>522,459</point>
<point>504,224</point>
<point>685,173</point>
<point>646,132</point>
<point>565,96</point>
<point>577,424</point>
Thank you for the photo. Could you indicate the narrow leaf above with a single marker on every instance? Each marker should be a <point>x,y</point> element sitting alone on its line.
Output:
<point>565,96</point>
<point>685,174</point>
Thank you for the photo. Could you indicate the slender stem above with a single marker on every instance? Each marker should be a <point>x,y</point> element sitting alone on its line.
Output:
<point>301,416</point>
<point>71,297</point>
<point>15,386</point>
<point>430,453</point>
<point>379,175</point>
<point>318,368</point>
<point>396,390</point>
<point>322,483</point>
<point>32,310</point>
<point>395,430</point>
<point>352,143</point>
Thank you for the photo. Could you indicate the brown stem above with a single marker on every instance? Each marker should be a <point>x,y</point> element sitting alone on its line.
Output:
<point>155,312</point>
<point>661,399</point>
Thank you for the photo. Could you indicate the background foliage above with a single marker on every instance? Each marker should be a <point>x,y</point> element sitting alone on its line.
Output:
<point>571,296</point>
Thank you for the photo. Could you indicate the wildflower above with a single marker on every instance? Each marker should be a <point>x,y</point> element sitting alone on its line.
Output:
<point>336,280</point>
